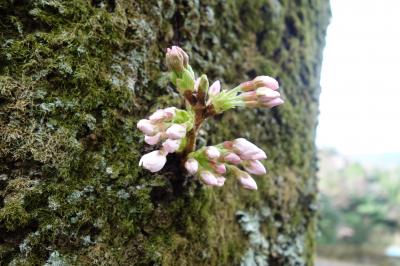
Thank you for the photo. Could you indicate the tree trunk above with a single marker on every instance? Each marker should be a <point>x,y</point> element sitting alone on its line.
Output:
<point>76,76</point>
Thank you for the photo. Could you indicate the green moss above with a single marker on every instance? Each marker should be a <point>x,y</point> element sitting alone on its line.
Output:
<point>76,76</point>
<point>13,215</point>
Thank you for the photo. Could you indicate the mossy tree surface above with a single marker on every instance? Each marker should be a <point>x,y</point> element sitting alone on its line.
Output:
<point>76,76</point>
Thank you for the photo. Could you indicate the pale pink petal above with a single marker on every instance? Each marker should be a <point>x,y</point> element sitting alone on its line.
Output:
<point>176,131</point>
<point>153,161</point>
<point>215,88</point>
<point>191,166</point>
<point>152,140</point>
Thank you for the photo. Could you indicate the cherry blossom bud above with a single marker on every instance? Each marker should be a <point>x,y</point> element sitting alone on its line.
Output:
<point>266,94</point>
<point>227,144</point>
<point>215,88</point>
<point>266,81</point>
<point>147,127</point>
<point>174,59</point>
<point>247,150</point>
<point>184,56</point>
<point>170,112</point>
<point>208,178</point>
<point>220,168</point>
<point>247,86</point>
<point>171,145</point>
<point>249,96</point>
<point>153,161</point>
<point>247,181</point>
<point>158,116</point>
<point>152,140</point>
<point>192,166</point>
<point>221,181</point>
<point>232,158</point>
<point>273,103</point>
<point>254,167</point>
<point>212,153</point>
<point>176,131</point>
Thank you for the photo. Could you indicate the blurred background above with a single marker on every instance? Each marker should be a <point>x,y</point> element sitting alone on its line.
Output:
<point>359,135</point>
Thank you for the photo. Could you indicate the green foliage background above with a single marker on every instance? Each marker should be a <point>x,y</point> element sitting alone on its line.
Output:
<point>365,199</point>
<point>76,76</point>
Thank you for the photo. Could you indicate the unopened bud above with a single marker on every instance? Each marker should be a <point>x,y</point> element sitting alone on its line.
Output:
<point>247,181</point>
<point>184,56</point>
<point>232,158</point>
<point>191,166</point>
<point>208,178</point>
<point>171,145</point>
<point>220,168</point>
<point>212,153</point>
<point>266,81</point>
<point>176,131</point>
<point>147,127</point>
<point>254,167</point>
<point>249,96</point>
<point>265,94</point>
<point>153,161</point>
<point>175,59</point>
<point>152,140</point>
<point>273,103</point>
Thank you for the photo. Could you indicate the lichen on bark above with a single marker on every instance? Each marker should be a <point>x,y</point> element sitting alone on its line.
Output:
<point>76,76</point>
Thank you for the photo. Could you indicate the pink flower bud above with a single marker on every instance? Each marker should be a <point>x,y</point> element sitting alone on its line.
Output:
<point>254,167</point>
<point>215,88</point>
<point>147,127</point>
<point>170,112</point>
<point>227,144</point>
<point>208,178</point>
<point>247,181</point>
<point>249,96</point>
<point>158,116</point>
<point>220,168</point>
<point>220,181</point>
<point>152,140</point>
<point>176,131</point>
<point>247,150</point>
<point>191,166</point>
<point>174,59</point>
<point>232,158</point>
<point>266,81</point>
<point>265,94</point>
<point>212,153</point>
<point>184,55</point>
<point>153,161</point>
<point>273,103</point>
<point>171,145</point>
<point>247,86</point>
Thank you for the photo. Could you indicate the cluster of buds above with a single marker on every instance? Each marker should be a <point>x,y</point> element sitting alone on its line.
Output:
<point>261,92</point>
<point>175,130</point>
<point>238,158</point>
<point>167,127</point>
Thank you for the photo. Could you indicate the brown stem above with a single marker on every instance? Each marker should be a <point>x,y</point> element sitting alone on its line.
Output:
<point>202,112</point>
<point>192,134</point>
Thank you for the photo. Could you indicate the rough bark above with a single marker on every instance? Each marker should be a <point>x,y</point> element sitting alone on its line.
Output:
<point>76,76</point>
